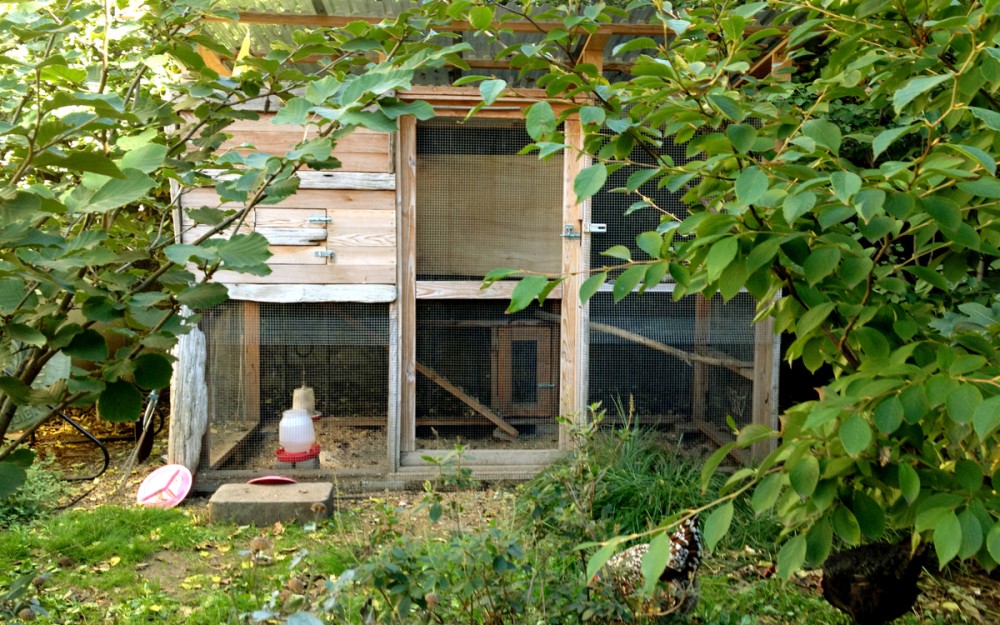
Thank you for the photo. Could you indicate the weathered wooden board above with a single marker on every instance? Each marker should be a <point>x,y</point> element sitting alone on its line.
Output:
<point>361,151</point>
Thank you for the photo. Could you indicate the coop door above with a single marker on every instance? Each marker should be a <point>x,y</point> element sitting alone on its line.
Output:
<point>297,236</point>
<point>526,376</point>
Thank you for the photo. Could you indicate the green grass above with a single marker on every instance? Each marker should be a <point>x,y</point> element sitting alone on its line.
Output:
<point>140,565</point>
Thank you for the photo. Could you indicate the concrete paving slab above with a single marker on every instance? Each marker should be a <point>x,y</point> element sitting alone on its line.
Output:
<point>265,504</point>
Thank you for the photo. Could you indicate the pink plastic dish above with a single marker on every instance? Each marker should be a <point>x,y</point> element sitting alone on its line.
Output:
<point>165,487</point>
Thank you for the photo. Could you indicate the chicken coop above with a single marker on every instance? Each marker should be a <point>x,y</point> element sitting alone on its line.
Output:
<point>375,319</point>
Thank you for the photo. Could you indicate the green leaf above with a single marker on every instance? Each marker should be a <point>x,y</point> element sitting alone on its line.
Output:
<point>720,255</point>
<point>618,251</point>
<point>12,477</point>
<point>528,289</point>
<point>845,524</point>
<point>845,184</point>
<point>982,187</point>
<point>819,542</point>
<point>540,121</point>
<point>988,117</point>
<point>970,475</point>
<point>947,538</point>
<point>962,403</point>
<point>481,16</point>
<point>992,540</point>
<point>794,206</point>
<point>727,106</point>
<point>885,138</point>
<point>202,296</point>
<point>591,285</point>
<point>821,262</point>
<point>120,402</point>
<point>712,463</point>
<point>717,525</point>
<point>152,371</point>
<point>654,561</point>
<point>824,133</point>
<point>972,534</point>
<point>792,556</point>
<point>856,435</point>
<point>804,475</point>
<point>813,318</point>
<point>751,185</point>
<point>118,192</point>
<point>600,557</point>
<point>593,115</point>
<point>909,482</point>
<point>589,181</point>
<point>499,274</point>
<point>627,282</point>
<point>870,516</point>
<point>766,494</point>
<point>147,158</point>
<point>986,418</point>
<point>294,112</point>
<point>88,345</point>
<point>650,242</point>
<point>944,211</point>
<point>742,136</point>
<point>24,334</point>
<point>914,88</point>
<point>244,251</point>
<point>889,415</point>
<point>490,90</point>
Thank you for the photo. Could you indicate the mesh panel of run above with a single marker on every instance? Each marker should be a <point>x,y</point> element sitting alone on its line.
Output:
<point>485,379</point>
<point>610,208</point>
<point>260,354</point>
<point>481,205</point>
<point>680,367</point>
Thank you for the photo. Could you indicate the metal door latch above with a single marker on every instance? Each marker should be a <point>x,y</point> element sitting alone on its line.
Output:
<point>325,254</point>
<point>569,233</point>
<point>595,228</point>
<point>319,219</point>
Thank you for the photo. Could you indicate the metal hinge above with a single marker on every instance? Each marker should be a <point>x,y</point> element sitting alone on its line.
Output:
<point>546,385</point>
<point>319,219</point>
<point>325,253</point>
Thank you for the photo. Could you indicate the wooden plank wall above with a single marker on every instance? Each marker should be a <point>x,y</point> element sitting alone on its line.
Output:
<point>357,243</point>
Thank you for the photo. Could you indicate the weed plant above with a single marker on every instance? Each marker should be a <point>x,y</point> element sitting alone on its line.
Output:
<point>37,497</point>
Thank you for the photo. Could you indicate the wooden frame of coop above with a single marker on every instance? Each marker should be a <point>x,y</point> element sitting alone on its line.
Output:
<point>351,235</point>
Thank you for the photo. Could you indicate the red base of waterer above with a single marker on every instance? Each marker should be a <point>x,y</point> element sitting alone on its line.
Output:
<point>300,456</point>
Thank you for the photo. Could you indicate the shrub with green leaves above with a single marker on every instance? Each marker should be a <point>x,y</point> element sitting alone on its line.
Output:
<point>854,193</point>
<point>108,111</point>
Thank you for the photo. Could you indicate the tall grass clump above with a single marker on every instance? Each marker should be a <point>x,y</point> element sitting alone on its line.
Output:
<point>627,480</point>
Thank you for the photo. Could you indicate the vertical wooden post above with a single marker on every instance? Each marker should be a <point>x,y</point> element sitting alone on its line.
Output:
<point>573,321</point>
<point>406,281</point>
<point>702,329</point>
<point>764,397</point>
<point>574,352</point>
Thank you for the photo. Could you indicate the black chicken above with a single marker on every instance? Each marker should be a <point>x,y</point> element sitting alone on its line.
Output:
<point>678,588</point>
<point>874,583</point>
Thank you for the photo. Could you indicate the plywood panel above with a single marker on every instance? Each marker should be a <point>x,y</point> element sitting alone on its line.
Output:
<point>361,151</point>
<point>481,212</point>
